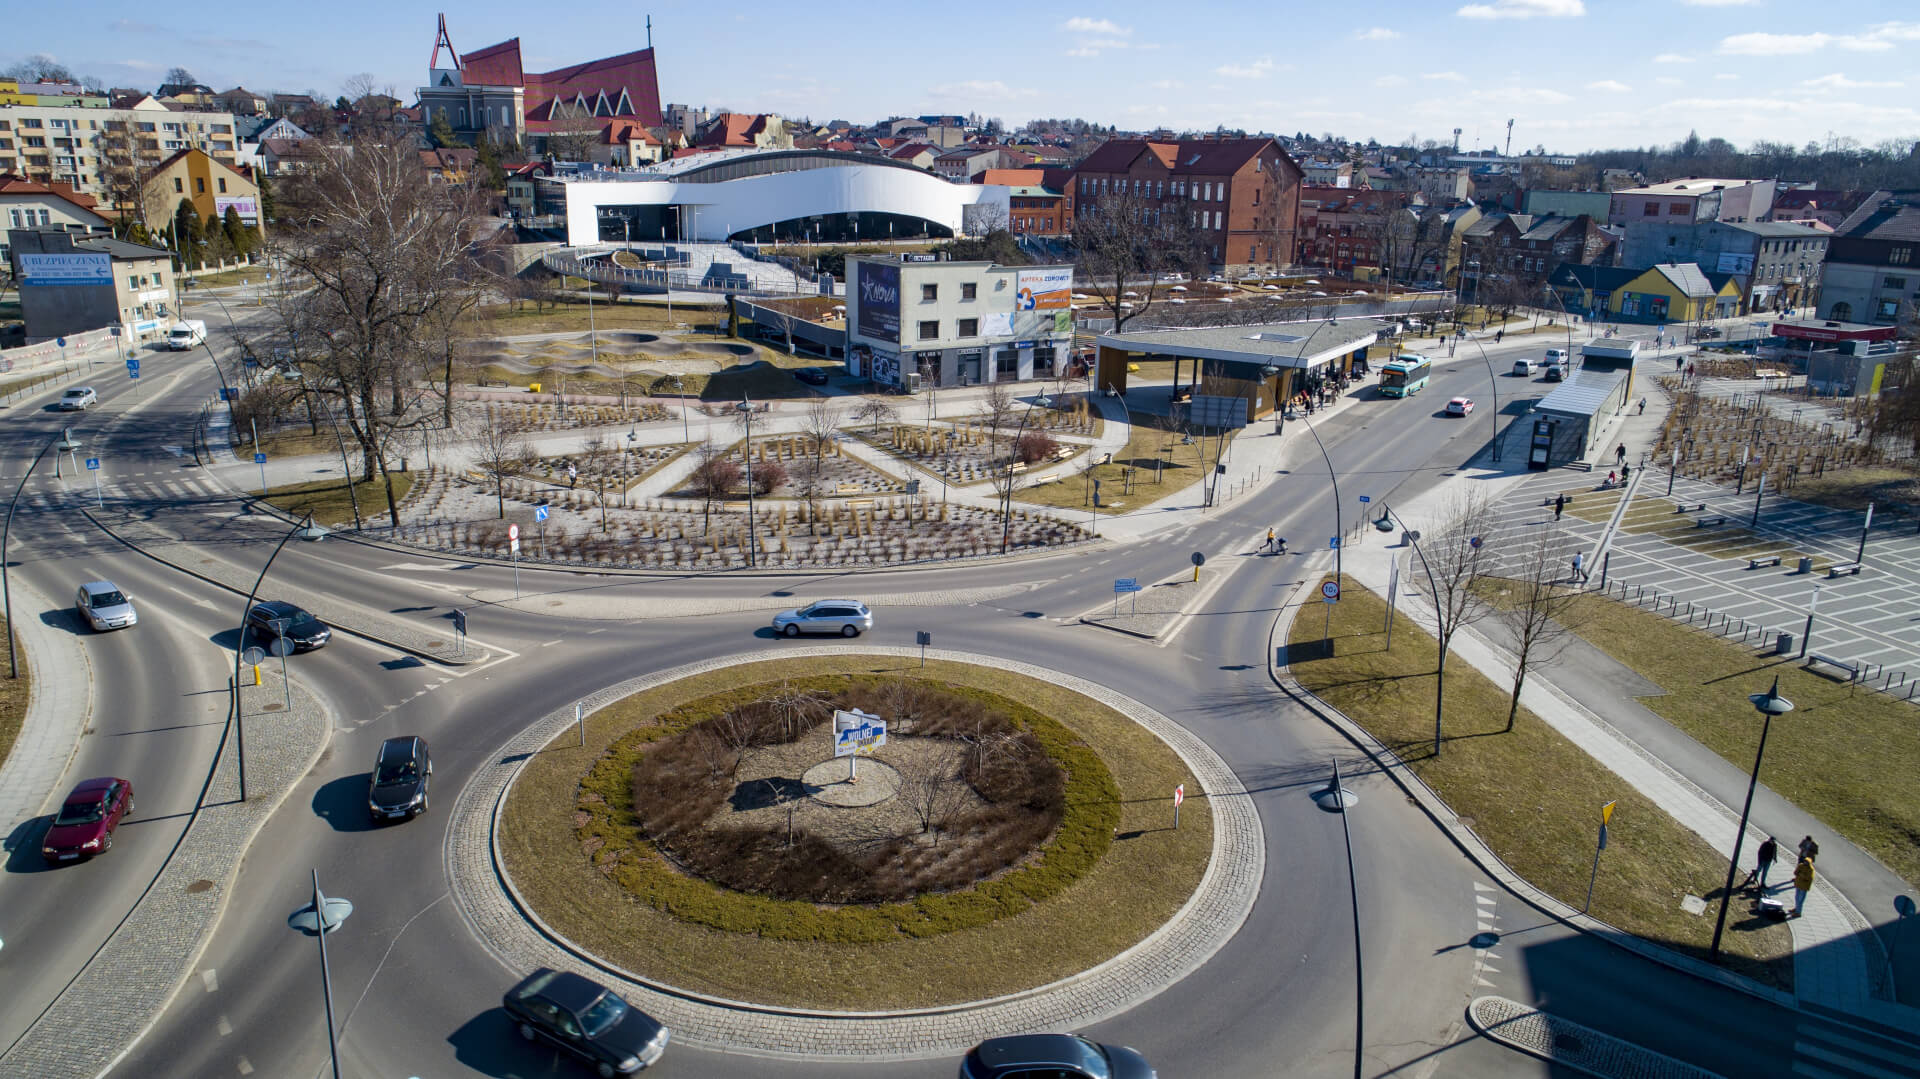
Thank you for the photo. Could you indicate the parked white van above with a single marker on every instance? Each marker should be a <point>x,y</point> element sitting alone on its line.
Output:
<point>186,334</point>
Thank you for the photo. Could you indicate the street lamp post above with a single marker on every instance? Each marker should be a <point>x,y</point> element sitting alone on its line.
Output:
<point>680,389</point>
<point>1769,705</point>
<point>1334,480</point>
<point>1493,388</point>
<point>746,409</point>
<point>1440,669</point>
<point>323,916</point>
<point>239,648</point>
<point>1006,496</point>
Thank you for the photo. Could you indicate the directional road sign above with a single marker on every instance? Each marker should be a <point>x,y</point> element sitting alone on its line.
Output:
<point>1366,498</point>
<point>459,620</point>
<point>539,513</point>
<point>1333,543</point>
<point>93,464</point>
<point>1126,584</point>
<point>259,458</point>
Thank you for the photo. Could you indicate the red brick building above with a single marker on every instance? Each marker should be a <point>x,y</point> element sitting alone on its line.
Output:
<point>1242,194</point>
<point>1034,206</point>
<point>1342,228</point>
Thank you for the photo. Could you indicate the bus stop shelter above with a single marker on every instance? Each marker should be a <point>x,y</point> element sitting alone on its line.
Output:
<point>1264,365</point>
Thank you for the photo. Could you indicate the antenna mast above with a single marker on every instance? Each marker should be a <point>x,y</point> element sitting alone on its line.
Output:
<point>443,40</point>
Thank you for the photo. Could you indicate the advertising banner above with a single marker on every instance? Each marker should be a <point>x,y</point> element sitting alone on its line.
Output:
<point>66,269</point>
<point>1044,290</point>
<point>878,286</point>
<point>996,324</point>
<point>244,205</point>
<point>1735,264</point>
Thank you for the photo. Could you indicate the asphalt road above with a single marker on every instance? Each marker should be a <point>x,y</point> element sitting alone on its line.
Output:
<point>418,995</point>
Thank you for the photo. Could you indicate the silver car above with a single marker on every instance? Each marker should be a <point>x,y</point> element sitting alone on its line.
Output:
<point>847,617</point>
<point>104,607</point>
<point>78,399</point>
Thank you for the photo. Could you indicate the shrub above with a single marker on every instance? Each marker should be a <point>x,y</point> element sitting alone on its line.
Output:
<point>768,475</point>
<point>1035,446</point>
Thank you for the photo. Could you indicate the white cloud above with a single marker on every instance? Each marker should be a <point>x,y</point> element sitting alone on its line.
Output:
<point>1726,76</point>
<point>1841,82</point>
<point>1166,84</point>
<point>1610,86</point>
<point>1080,24</point>
<point>1523,9</point>
<point>979,90</point>
<point>1376,33</point>
<point>1673,58</point>
<point>1386,81</point>
<point>1879,38</point>
<point>1083,52</point>
<point>1259,69</point>
<point>1445,76</point>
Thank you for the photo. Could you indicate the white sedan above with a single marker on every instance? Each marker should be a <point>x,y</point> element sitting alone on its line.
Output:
<point>1459,406</point>
<point>78,399</point>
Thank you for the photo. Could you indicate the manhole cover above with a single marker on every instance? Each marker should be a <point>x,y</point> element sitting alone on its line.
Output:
<point>1568,1043</point>
<point>199,886</point>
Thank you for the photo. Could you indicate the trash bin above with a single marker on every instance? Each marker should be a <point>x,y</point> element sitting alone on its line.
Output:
<point>1783,644</point>
<point>1806,565</point>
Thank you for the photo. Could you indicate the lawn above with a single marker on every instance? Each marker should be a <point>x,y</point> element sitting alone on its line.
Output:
<point>1147,873</point>
<point>330,504</point>
<point>1530,794</point>
<point>1150,440</point>
<point>246,275</point>
<point>1853,488</point>
<point>15,695</point>
<point>1817,757</point>
<point>295,441</point>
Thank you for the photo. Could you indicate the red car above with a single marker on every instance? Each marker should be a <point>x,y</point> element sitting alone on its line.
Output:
<point>84,826</point>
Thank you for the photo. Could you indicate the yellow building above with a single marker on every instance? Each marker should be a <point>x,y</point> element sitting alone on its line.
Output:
<point>1674,292</point>
<point>213,186</point>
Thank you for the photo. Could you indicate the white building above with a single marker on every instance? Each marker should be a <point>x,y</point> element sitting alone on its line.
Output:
<point>917,322</point>
<point>761,195</point>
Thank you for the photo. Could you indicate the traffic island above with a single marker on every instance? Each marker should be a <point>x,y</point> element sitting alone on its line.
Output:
<point>1105,908</point>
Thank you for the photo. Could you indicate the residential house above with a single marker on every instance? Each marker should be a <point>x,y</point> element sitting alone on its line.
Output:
<point>520,185</point>
<point>1519,250</point>
<point>1679,202</point>
<point>963,164</point>
<point>737,130</point>
<point>1241,195</point>
<point>451,165</point>
<point>920,155</point>
<point>1589,290</point>
<point>278,157</point>
<point>1778,263</point>
<point>209,183</point>
<point>28,204</point>
<point>1326,173</point>
<point>1348,230</point>
<point>630,145</point>
<point>86,147</point>
<point>1871,269</point>
<point>1810,206</point>
<point>1674,292</point>
<point>241,101</point>
<point>1033,207</point>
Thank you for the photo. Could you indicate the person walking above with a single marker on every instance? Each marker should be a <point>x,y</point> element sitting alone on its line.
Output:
<point>1763,864</point>
<point>1620,453</point>
<point>1809,850</point>
<point>1579,574</point>
<point>1678,363</point>
<point>1643,406</point>
<point>1559,504</point>
<point>1625,471</point>
<point>1802,884</point>
<point>1269,541</point>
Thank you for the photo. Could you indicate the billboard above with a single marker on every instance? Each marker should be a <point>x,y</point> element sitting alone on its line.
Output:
<point>244,205</point>
<point>878,286</point>
<point>1044,290</point>
<point>1735,264</point>
<point>66,269</point>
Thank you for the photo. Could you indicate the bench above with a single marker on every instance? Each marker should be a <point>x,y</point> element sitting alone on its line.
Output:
<point>1843,569</point>
<point>848,489</point>
<point>1548,501</point>
<point>1852,669</point>
<point>1689,507</point>
<point>1710,522</point>
<point>1756,563</point>
<point>860,504</point>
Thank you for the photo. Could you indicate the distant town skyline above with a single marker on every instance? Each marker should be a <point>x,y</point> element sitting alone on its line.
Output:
<point>1574,75</point>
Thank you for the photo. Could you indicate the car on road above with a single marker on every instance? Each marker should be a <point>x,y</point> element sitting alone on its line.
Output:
<point>847,617</point>
<point>1052,1056</point>
<point>586,1019</point>
<point>402,769</point>
<point>1459,406</point>
<point>103,606</point>
<point>812,376</point>
<point>1707,331</point>
<point>85,824</point>
<point>1524,367</point>
<point>1555,372</point>
<point>78,399</point>
<point>302,628</point>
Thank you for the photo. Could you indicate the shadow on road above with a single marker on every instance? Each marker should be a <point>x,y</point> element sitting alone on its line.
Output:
<point>23,846</point>
<point>343,803</point>
<point>65,618</point>
<point>487,1044</point>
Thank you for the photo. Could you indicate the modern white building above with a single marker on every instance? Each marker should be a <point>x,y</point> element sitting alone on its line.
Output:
<point>918,322</point>
<point>762,196</point>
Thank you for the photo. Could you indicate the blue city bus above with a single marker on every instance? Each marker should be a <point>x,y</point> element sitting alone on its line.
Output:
<point>1405,375</point>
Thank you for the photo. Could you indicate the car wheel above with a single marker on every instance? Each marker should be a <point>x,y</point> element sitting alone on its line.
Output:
<point>129,807</point>
<point>423,802</point>
<point>606,1070</point>
<point>791,630</point>
<point>849,631</point>
<point>526,1031</point>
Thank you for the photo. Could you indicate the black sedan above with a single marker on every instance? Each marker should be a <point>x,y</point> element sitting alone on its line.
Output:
<point>586,1019</point>
<point>1065,1056</point>
<point>402,771</point>
<point>812,376</point>
<point>294,623</point>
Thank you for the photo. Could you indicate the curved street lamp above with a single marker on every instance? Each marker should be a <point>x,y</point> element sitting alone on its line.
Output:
<point>1006,496</point>
<point>1494,389</point>
<point>1433,590</point>
<point>1769,704</point>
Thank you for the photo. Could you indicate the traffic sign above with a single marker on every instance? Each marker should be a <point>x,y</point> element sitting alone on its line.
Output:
<point>513,532</point>
<point>1179,794</point>
<point>539,513</point>
<point>1333,543</point>
<point>1606,812</point>
<point>280,646</point>
<point>253,655</point>
<point>259,458</point>
<point>93,464</point>
<point>133,366</point>
<point>1474,542</point>
<point>1126,584</point>
<point>113,331</point>
<point>61,341</point>
<point>459,620</point>
<point>1331,590</point>
<point>1199,559</point>
<point>857,732</point>
<point>1366,498</point>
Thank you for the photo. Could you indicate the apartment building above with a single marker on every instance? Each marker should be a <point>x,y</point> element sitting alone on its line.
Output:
<point>1241,195</point>
<point>84,146</point>
<point>212,185</point>
<point>1693,199</point>
<point>919,322</point>
<point>1871,269</point>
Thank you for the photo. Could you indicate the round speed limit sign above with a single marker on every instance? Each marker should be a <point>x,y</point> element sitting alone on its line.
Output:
<point>513,532</point>
<point>1331,590</point>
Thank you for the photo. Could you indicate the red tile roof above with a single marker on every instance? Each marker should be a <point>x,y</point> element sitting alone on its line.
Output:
<point>733,129</point>
<point>621,132</point>
<point>1211,157</point>
<point>1012,177</point>
<point>495,65</point>
<point>17,185</point>
<point>911,149</point>
<point>632,72</point>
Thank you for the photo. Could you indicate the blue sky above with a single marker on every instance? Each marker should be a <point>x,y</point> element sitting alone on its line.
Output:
<point>1573,74</point>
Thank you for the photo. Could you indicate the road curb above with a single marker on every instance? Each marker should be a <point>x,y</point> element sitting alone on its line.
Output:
<point>1211,917</point>
<point>1467,839</point>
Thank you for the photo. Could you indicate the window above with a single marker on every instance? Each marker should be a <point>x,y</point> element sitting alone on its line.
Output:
<point>929,293</point>
<point>45,219</point>
<point>28,121</point>
<point>33,140</point>
<point>199,185</point>
<point>178,187</point>
<point>969,290</point>
<point>133,281</point>
<point>1649,209</point>
<point>929,330</point>
<point>223,185</point>
<point>1896,282</point>
<point>969,327</point>
<point>1900,256</point>
<point>16,219</point>
<point>1676,209</point>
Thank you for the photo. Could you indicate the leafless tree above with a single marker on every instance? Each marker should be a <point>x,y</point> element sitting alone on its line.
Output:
<point>1129,242</point>
<point>932,788</point>
<point>1456,563</point>
<point>820,425</point>
<point>995,409</point>
<point>573,134</point>
<point>793,710</point>
<point>500,450</point>
<point>1538,613</point>
<point>724,740</point>
<point>876,412</point>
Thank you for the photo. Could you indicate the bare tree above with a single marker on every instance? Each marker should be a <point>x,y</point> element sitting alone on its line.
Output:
<point>500,450</point>
<point>1129,242</point>
<point>572,134</point>
<point>876,412</point>
<point>1454,561</point>
<point>820,425</point>
<point>1537,612</point>
<point>793,710</point>
<point>933,790</point>
<point>995,409</point>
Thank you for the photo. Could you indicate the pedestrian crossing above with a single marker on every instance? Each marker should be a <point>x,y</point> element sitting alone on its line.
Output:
<point>1830,1051</point>
<point>64,496</point>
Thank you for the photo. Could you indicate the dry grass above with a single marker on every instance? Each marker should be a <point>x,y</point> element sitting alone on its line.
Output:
<point>1150,439</point>
<point>15,695</point>
<point>1533,796</point>
<point>330,504</point>
<point>496,319</point>
<point>1853,488</point>
<point>1817,758</point>
<point>1141,881</point>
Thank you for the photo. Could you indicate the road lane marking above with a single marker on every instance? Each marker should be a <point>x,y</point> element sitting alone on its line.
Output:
<point>245,1066</point>
<point>225,1028</point>
<point>550,644</point>
<point>209,980</point>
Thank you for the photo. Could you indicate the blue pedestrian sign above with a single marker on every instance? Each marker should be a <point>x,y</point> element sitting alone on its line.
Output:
<point>133,368</point>
<point>539,513</point>
<point>60,341</point>
<point>1365,499</point>
<point>259,458</point>
<point>93,464</point>
<point>1333,543</point>
<point>227,393</point>
<point>1126,584</point>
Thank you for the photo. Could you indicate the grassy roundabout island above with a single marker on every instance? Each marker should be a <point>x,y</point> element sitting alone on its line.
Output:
<point>1012,832</point>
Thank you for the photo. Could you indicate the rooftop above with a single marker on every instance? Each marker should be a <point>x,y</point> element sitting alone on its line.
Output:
<point>1692,185</point>
<point>1283,344</point>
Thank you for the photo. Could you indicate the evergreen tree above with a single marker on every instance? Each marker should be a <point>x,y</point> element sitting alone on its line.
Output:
<point>441,131</point>
<point>487,164</point>
<point>236,232</point>
<point>266,196</point>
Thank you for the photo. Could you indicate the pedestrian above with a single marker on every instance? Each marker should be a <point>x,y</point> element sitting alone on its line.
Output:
<point>1809,849</point>
<point>1612,478</point>
<point>1625,471</point>
<point>1763,864</point>
<point>1559,504</point>
<point>1620,453</point>
<point>1802,884</point>
<point>1269,541</point>
<point>1578,573</point>
<point>1690,371</point>
<point>1678,363</point>
<point>1643,406</point>
<point>1499,335</point>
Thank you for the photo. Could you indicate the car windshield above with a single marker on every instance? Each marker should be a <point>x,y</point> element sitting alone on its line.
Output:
<point>604,1013</point>
<point>1093,1059</point>
<point>80,813</point>
<point>390,772</point>
<point>108,599</point>
<point>76,393</point>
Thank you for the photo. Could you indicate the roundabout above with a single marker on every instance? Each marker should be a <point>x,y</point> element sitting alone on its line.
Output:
<point>883,978</point>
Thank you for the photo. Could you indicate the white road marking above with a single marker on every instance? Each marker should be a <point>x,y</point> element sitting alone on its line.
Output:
<point>225,1028</point>
<point>416,565</point>
<point>245,1066</point>
<point>550,644</point>
<point>207,978</point>
<point>175,450</point>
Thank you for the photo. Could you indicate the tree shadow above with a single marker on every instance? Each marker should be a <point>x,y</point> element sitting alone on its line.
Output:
<point>766,793</point>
